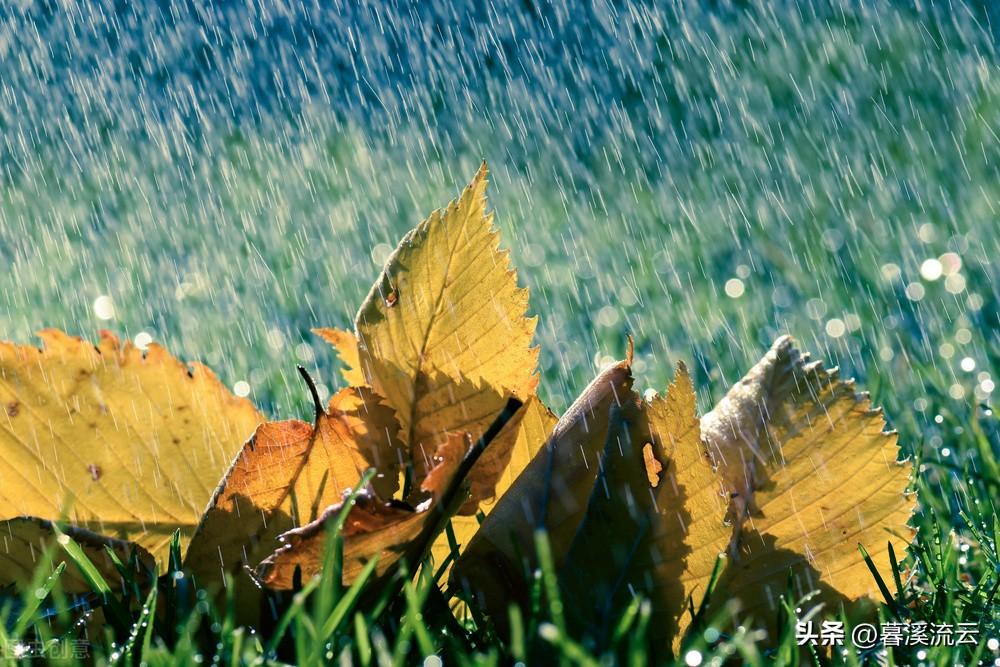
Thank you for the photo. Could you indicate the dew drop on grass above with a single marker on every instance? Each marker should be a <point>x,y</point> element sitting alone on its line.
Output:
<point>692,658</point>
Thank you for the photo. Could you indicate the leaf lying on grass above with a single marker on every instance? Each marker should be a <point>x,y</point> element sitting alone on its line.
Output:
<point>812,474</point>
<point>293,470</point>
<point>792,471</point>
<point>446,340</point>
<point>386,531</point>
<point>550,493</point>
<point>130,444</point>
<point>633,538</point>
<point>24,540</point>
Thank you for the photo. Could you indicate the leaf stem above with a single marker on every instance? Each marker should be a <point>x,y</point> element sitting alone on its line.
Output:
<point>317,404</point>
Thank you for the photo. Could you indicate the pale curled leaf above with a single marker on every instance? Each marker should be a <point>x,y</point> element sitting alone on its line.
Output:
<point>632,539</point>
<point>443,335</point>
<point>551,492</point>
<point>291,470</point>
<point>131,443</point>
<point>825,478</point>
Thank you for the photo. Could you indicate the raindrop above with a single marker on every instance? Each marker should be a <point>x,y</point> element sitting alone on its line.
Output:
<point>304,352</point>
<point>815,309</point>
<point>104,307</point>
<point>835,328</point>
<point>891,272</point>
<point>915,291</point>
<point>242,388</point>
<point>951,263</point>
<point>692,658</point>
<point>142,340</point>
<point>833,240</point>
<point>931,269</point>
<point>781,297</point>
<point>955,283</point>
<point>380,253</point>
<point>275,339</point>
<point>734,288</point>
<point>968,364</point>
<point>606,317</point>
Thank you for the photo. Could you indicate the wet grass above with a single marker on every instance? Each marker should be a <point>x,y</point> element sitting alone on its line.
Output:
<point>760,171</point>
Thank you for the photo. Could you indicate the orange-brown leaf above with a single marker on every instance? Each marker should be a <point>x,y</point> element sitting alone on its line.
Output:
<point>291,470</point>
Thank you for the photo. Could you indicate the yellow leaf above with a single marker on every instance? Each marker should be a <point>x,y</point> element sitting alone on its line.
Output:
<point>443,334</point>
<point>509,453</point>
<point>292,470</point>
<point>812,474</point>
<point>346,344</point>
<point>130,443</point>
<point>551,492</point>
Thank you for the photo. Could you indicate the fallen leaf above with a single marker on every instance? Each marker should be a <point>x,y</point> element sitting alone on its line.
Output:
<point>128,444</point>
<point>374,529</point>
<point>550,493</point>
<point>290,472</point>
<point>386,530</point>
<point>633,537</point>
<point>443,335</point>
<point>26,541</point>
<point>814,474</point>
<point>509,453</point>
